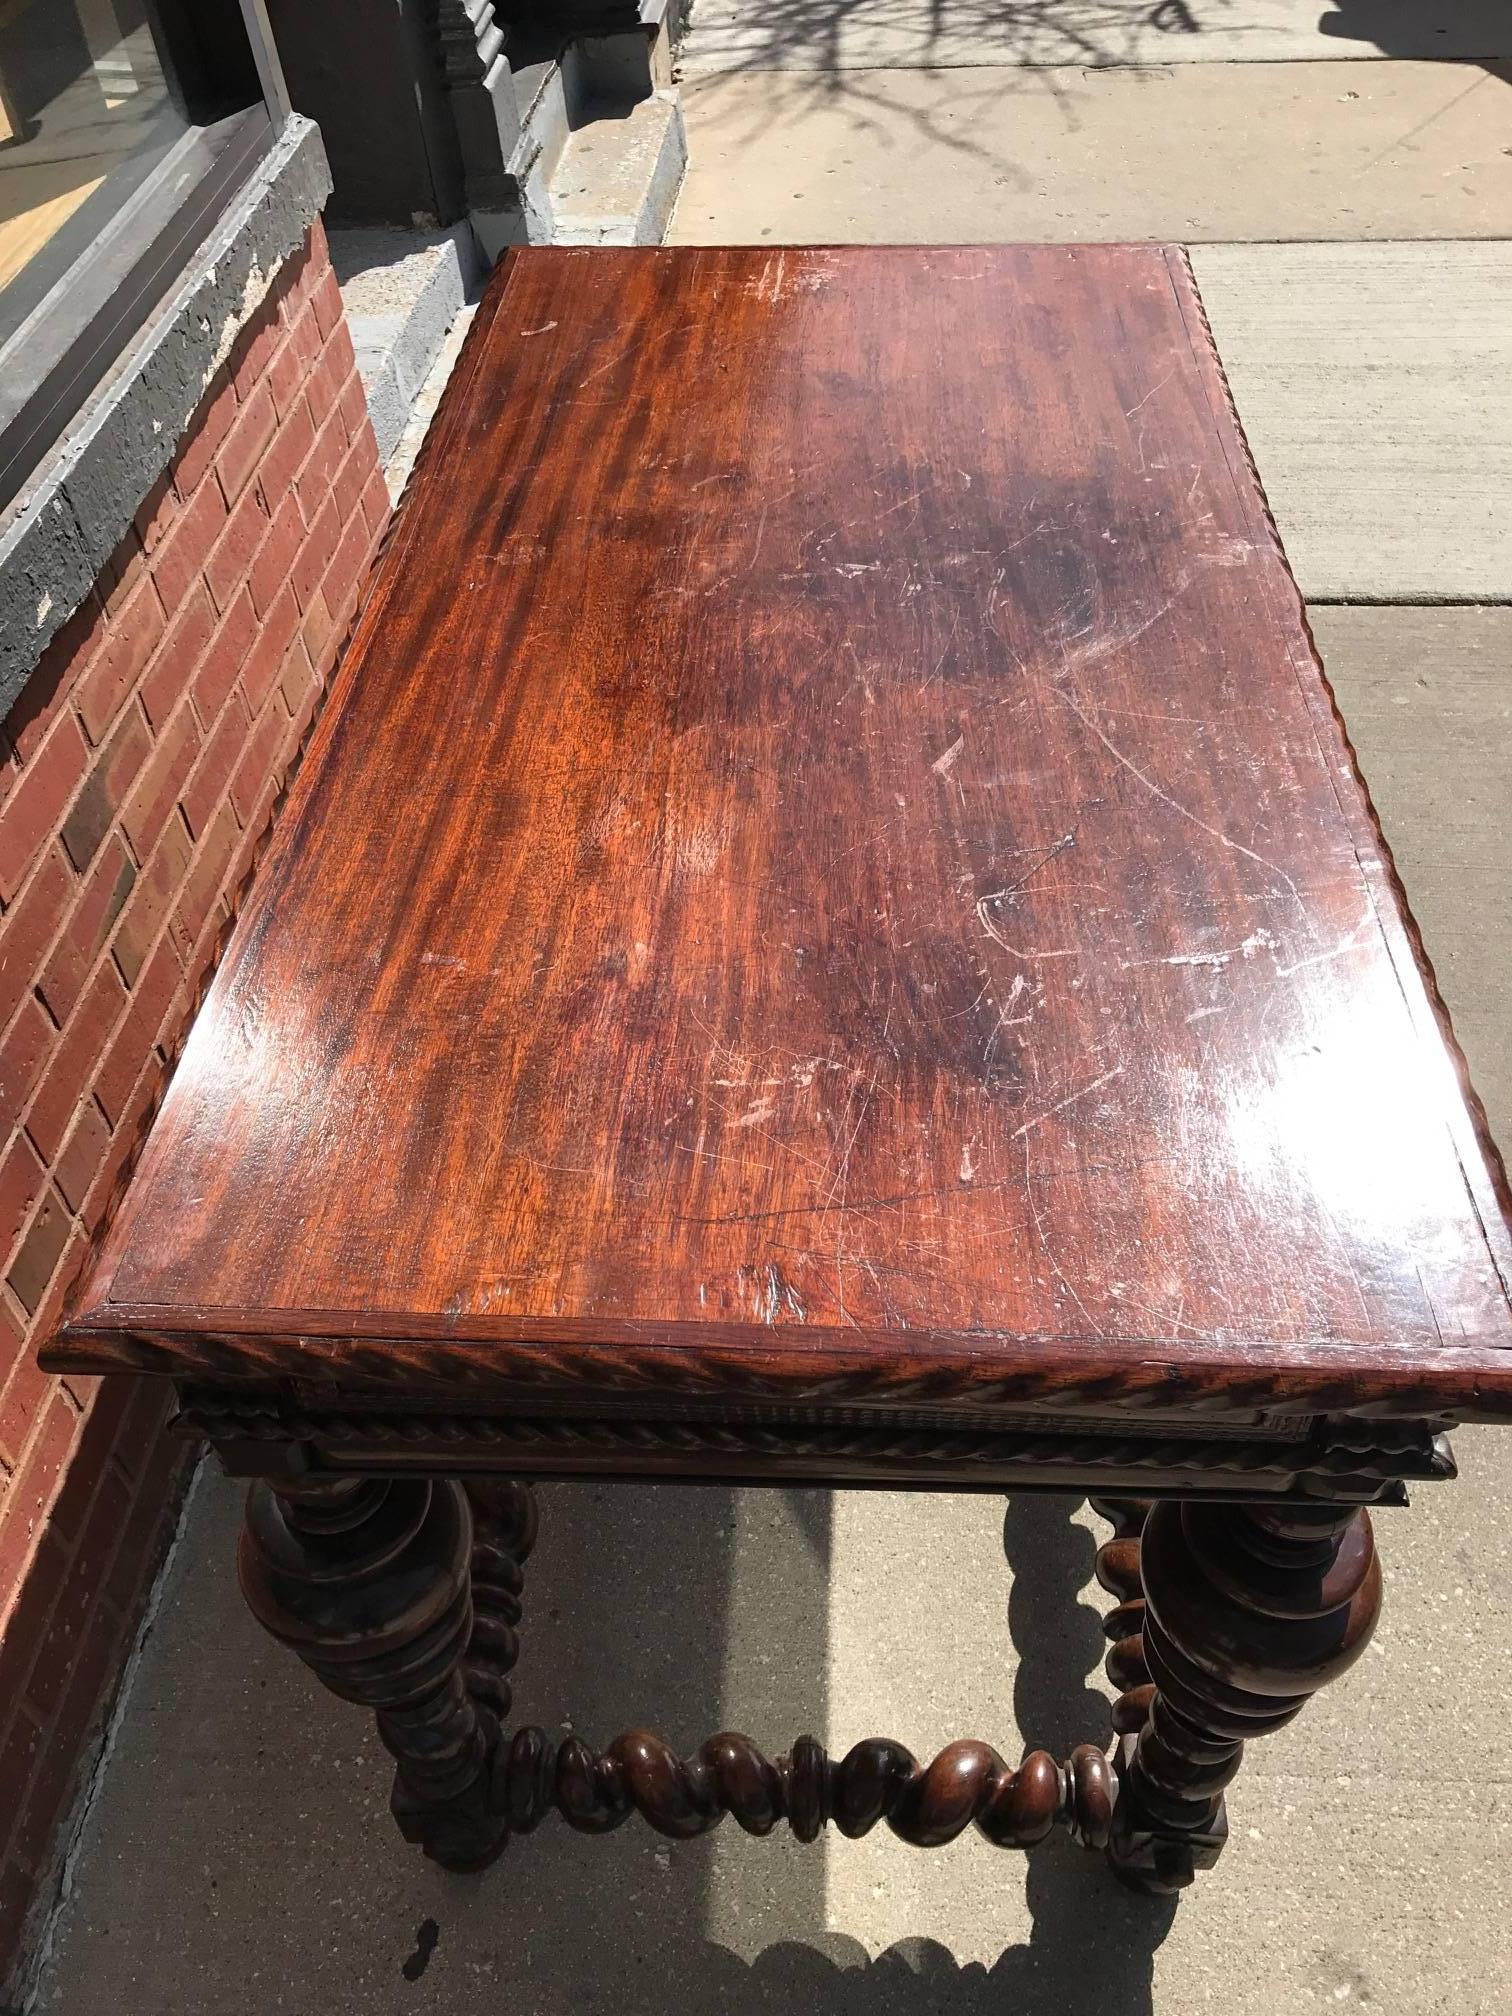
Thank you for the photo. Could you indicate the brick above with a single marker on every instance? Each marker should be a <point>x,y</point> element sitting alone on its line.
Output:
<point>129,641</point>
<point>287,456</point>
<point>62,1643</point>
<point>365,442</point>
<point>316,478</point>
<point>262,760</point>
<point>352,403</point>
<point>286,378</point>
<point>156,513</point>
<point>344,363</point>
<point>22,1178</point>
<point>180,559</point>
<point>86,1675</point>
<point>41,1247</point>
<point>255,349</point>
<point>20,1744</point>
<point>26,930</point>
<point>36,1592</point>
<point>32,1488</point>
<point>50,687</point>
<point>120,574</point>
<point>22,1387</point>
<point>103,1409</point>
<point>204,883</point>
<point>82,1156</point>
<point>242,857</point>
<point>200,932</point>
<point>326,384</point>
<point>325,299</point>
<point>165,1465</point>
<point>152,900</point>
<point>229,563</point>
<point>305,336</point>
<point>24,1050</point>
<point>178,562</point>
<point>351,480</point>
<point>161,784</point>
<point>127,1081</point>
<point>243,448</point>
<point>99,1509</point>
<point>145,1411</point>
<point>212,422</point>
<point>124,1129</point>
<point>107,787</point>
<point>265,659</point>
<point>155,992</point>
<point>74,1061</point>
<point>206,789</point>
<point>315,555</point>
<point>301,677</point>
<point>318,632</point>
<point>271,569</point>
<point>298,276</point>
<point>224,658</point>
<point>35,808</point>
<point>177,658</point>
<point>260,806</point>
<point>17,1900</point>
<point>140,1028</point>
<point>96,907</point>
<point>90,1681</point>
<point>50,1314</point>
<point>345,574</point>
<point>377,506</point>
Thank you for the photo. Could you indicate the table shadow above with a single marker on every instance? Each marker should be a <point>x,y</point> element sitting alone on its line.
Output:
<point>1475,32</point>
<point>1092,1944</point>
<point>239,1856</point>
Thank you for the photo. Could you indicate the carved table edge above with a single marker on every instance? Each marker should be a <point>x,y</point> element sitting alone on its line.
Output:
<point>1450,1384</point>
<point>1342,1461</point>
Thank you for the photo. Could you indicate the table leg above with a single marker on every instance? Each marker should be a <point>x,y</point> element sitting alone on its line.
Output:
<point>505,1521</point>
<point>1248,1610</point>
<point>1118,1572</point>
<point>368,1580</point>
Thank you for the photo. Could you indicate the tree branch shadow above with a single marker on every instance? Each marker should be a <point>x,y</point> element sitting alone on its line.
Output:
<point>831,54</point>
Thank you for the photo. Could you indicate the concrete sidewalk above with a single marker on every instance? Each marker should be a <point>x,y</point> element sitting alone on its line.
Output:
<point>239,1856</point>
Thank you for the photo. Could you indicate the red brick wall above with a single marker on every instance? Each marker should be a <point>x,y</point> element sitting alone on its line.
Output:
<point>137,772</point>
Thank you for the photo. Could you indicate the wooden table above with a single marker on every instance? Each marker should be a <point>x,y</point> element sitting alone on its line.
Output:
<point>830,931</point>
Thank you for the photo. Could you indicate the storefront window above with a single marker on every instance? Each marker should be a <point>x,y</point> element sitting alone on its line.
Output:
<point>84,99</point>
<point>124,125</point>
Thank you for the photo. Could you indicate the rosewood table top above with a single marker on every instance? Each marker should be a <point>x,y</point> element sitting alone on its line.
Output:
<point>831,866</point>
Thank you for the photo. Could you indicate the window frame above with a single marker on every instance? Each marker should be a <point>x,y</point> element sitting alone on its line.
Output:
<point>62,351</point>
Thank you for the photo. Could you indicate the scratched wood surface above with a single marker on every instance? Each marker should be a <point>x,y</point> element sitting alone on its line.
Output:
<point>831,843</point>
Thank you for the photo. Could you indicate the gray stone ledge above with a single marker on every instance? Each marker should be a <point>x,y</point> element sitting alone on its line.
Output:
<point>59,533</point>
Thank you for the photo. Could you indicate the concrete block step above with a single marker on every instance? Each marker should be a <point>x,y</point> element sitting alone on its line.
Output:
<point>619,174</point>
<point>402,291</point>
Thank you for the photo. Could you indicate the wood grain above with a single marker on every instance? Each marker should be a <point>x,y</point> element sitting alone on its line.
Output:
<point>831,844</point>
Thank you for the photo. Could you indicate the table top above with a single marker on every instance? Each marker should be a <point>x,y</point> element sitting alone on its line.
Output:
<point>830,866</point>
